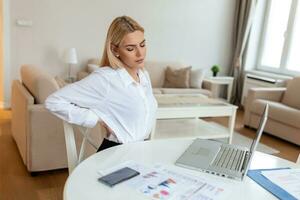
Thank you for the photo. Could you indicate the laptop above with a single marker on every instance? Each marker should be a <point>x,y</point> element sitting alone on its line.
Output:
<point>226,160</point>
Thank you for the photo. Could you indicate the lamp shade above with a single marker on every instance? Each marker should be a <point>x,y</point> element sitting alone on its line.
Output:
<point>71,56</point>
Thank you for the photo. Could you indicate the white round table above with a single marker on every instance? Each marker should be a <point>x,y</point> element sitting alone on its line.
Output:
<point>83,184</point>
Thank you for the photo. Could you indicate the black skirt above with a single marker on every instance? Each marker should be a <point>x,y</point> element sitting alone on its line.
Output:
<point>107,144</point>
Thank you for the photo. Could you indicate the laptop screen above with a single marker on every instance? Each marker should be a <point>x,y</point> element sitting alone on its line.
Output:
<point>260,129</point>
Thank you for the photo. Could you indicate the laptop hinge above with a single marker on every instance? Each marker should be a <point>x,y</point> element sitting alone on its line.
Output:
<point>245,162</point>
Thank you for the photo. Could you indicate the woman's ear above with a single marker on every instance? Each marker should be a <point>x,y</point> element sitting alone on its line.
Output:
<point>115,50</point>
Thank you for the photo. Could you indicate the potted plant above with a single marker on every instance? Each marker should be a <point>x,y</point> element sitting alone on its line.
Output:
<point>215,69</point>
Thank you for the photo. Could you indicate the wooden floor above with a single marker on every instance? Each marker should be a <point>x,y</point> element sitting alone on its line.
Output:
<point>16,183</point>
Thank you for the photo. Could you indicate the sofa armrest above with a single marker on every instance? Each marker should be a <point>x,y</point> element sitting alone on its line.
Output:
<point>271,94</point>
<point>19,92</point>
<point>20,100</point>
<point>45,140</point>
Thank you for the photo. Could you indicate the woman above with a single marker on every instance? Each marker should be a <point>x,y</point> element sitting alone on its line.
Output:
<point>118,94</point>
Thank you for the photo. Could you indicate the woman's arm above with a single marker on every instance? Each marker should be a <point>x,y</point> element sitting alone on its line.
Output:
<point>75,102</point>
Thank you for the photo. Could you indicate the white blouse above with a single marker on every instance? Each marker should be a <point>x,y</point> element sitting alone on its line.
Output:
<point>111,96</point>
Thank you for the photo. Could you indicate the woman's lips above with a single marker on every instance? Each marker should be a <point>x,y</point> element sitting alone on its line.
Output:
<point>140,61</point>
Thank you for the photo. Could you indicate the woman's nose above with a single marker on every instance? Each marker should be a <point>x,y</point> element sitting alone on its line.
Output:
<point>138,52</point>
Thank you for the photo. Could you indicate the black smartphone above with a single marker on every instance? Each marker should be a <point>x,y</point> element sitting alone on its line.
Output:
<point>118,176</point>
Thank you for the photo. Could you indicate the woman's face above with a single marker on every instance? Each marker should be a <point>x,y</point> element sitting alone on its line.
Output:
<point>132,50</point>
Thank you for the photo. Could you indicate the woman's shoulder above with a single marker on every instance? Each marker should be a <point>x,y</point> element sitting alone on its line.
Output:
<point>105,71</point>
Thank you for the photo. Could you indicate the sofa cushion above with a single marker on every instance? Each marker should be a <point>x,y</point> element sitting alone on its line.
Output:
<point>292,95</point>
<point>177,78</point>
<point>278,112</point>
<point>39,83</point>
<point>156,71</point>
<point>196,78</point>
<point>185,91</point>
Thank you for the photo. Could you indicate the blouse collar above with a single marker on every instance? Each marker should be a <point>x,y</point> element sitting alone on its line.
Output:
<point>127,78</point>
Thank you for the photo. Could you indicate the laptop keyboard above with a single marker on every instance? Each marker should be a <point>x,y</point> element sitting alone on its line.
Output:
<point>229,158</point>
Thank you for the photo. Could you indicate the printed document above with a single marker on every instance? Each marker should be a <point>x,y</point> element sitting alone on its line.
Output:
<point>287,179</point>
<point>159,182</point>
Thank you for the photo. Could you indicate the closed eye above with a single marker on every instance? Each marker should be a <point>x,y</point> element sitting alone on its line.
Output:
<point>129,49</point>
<point>143,44</point>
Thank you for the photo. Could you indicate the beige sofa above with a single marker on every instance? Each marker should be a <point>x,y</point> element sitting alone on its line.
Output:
<point>157,74</point>
<point>38,134</point>
<point>284,112</point>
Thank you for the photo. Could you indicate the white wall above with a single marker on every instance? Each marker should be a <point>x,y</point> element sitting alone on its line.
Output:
<point>196,32</point>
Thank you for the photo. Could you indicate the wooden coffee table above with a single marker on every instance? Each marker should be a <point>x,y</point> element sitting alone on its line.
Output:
<point>194,107</point>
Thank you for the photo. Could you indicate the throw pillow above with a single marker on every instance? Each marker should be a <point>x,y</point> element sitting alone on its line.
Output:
<point>197,76</point>
<point>92,67</point>
<point>177,78</point>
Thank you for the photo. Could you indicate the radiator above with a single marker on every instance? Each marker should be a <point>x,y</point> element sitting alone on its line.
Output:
<point>255,81</point>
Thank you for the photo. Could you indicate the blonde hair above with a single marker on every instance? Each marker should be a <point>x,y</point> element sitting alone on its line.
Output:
<point>116,32</point>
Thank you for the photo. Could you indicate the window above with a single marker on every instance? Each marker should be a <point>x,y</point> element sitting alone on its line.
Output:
<point>280,43</point>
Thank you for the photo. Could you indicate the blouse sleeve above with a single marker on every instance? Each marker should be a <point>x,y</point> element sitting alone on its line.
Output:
<point>74,103</point>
